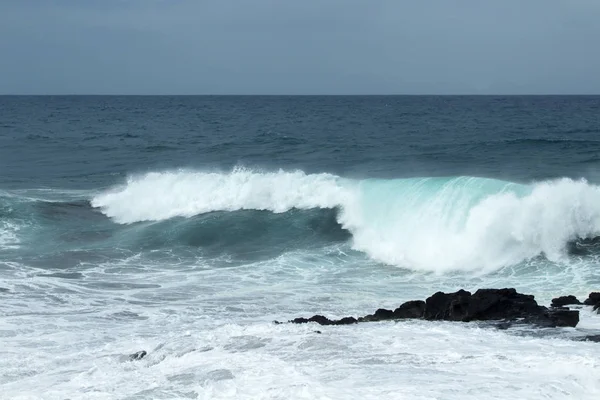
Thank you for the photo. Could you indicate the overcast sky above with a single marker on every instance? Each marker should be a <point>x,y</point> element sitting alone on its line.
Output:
<point>299,47</point>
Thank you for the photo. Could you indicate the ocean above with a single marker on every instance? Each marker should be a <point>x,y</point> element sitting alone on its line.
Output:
<point>185,225</point>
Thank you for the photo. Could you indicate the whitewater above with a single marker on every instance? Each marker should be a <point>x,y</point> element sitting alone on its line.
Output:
<point>427,224</point>
<point>185,226</point>
<point>207,322</point>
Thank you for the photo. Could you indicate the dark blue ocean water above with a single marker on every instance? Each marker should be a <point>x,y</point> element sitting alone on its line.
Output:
<point>185,225</point>
<point>87,142</point>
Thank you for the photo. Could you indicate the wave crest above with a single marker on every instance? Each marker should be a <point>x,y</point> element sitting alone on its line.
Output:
<point>432,224</point>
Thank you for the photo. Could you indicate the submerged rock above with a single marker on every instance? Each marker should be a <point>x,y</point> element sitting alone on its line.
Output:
<point>592,338</point>
<point>138,355</point>
<point>565,301</point>
<point>483,305</point>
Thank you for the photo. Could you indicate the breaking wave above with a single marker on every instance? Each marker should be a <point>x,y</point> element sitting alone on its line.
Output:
<point>430,224</point>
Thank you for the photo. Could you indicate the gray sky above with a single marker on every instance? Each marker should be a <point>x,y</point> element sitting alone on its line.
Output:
<point>299,46</point>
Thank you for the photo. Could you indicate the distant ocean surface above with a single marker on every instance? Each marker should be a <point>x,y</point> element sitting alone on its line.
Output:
<point>184,226</point>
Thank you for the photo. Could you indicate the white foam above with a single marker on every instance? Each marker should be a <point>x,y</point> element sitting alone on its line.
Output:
<point>9,238</point>
<point>162,195</point>
<point>209,335</point>
<point>411,360</point>
<point>424,224</point>
<point>451,229</point>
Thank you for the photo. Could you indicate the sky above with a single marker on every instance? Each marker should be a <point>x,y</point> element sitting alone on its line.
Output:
<point>299,47</point>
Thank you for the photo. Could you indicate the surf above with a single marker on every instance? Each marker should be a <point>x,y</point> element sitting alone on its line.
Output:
<point>427,224</point>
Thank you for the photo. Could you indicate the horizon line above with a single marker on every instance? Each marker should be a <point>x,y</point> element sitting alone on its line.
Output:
<point>295,95</point>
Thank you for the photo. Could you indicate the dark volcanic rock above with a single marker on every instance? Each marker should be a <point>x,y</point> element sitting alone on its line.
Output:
<point>593,300</point>
<point>506,305</point>
<point>484,305</point>
<point>592,338</point>
<point>558,318</point>
<point>410,309</point>
<point>447,306</point>
<point>564,301</point>
<point>380,315</point>
<point>137,355</point>
<point>321,320</point>
<point>345,321</point>
<point>495,304</point>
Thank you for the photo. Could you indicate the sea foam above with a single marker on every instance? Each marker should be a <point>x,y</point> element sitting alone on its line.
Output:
<point>430,224</point>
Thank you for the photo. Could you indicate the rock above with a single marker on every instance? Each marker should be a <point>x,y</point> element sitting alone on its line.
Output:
<point>495,304</point>
<point>503,325</point>
<point>321,320</point>
<point>447,306</point>
<point>138,355</point>
<point>380,315</point>
<point>505,305</point>
<point>592,338</point>
<point>345,321</point>
<point>564,301</point>
<point>559,318</point>
<point>593,300</point>
<point>410,309</point>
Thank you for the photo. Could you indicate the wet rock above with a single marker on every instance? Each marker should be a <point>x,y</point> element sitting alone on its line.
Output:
<point>593,300</point>
<point>592,338</point>
<point>495,305</point>
<point>381,314</point>
<point>505,305</point>
<point>447,306</point>
<point>565,301</point>
<point>410,309</point>
<point>504,325</point>
<point>558,318</point>
<point>321,320</point>
<point>346,321</point>
<point>137,355</point>
<point>584,246</point>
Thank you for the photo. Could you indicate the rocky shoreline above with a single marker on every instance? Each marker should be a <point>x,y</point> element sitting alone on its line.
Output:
<point>506,306</point>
